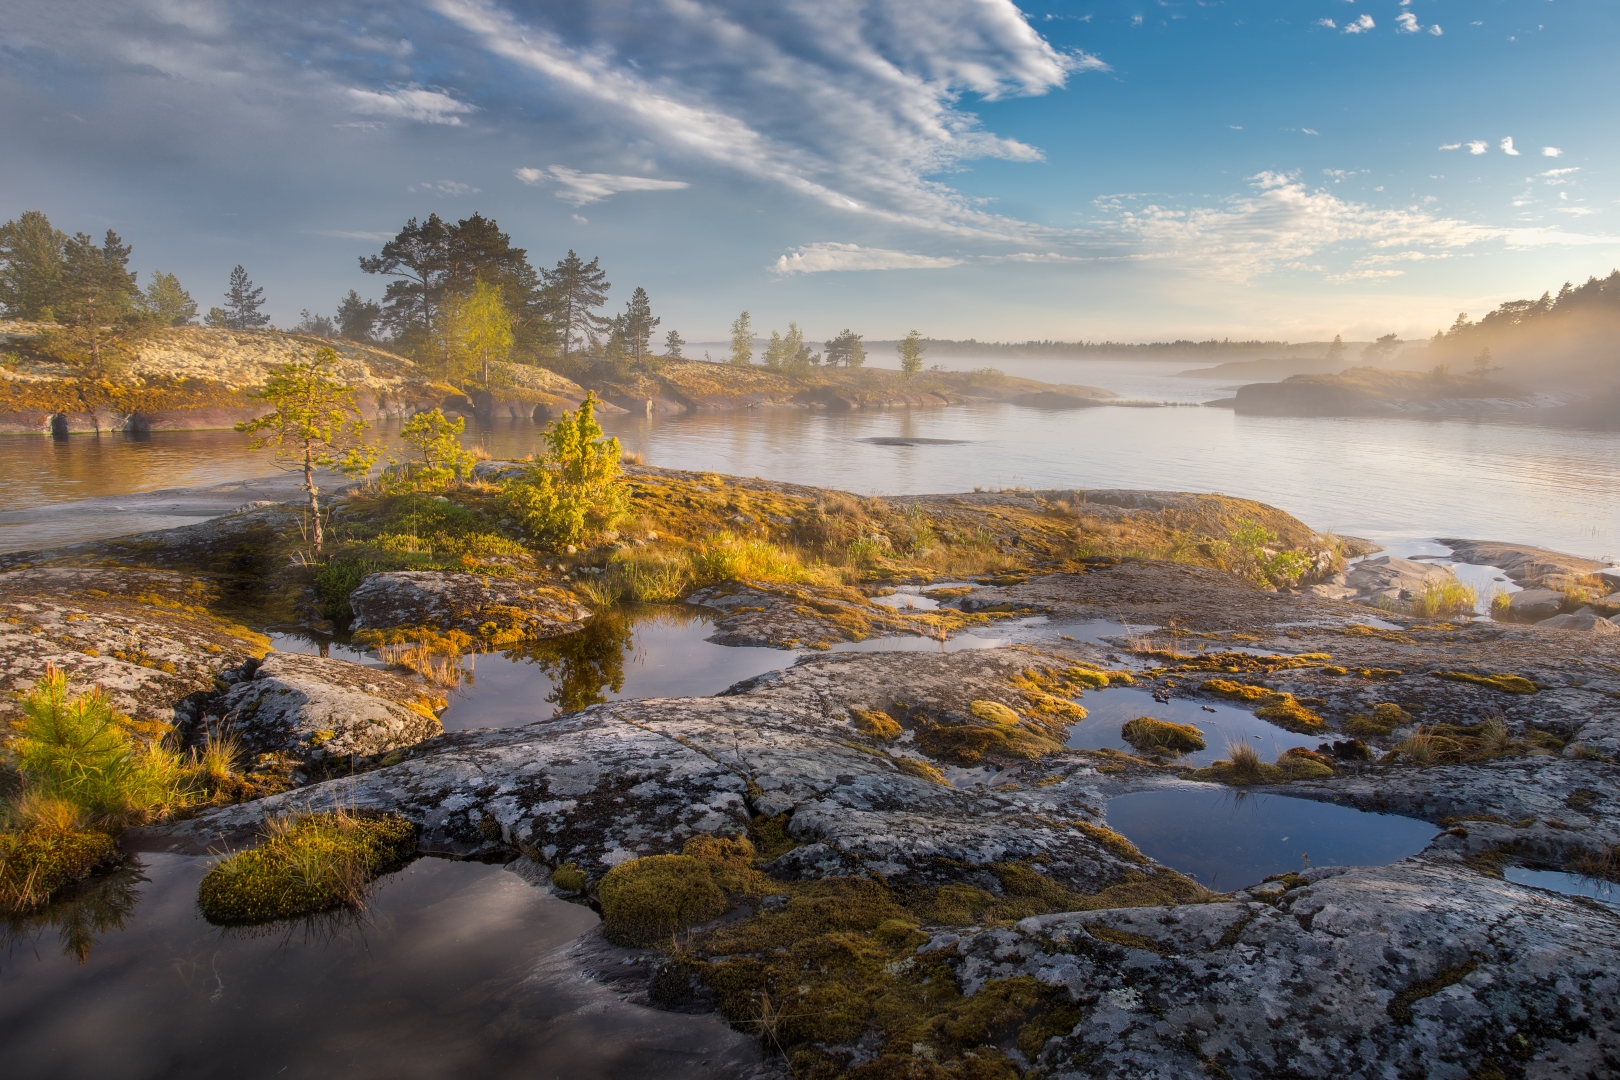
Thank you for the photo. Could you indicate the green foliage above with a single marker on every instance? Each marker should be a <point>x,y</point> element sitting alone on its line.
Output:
<point>357,318</point>
<point>584,667</point>
<point>575,289</point>
<point>910,351</point>
<point>474,330</point>
<point>166,302</point>
<point>575,486</point>
<point>31,260</point>
<point>95,301</point>
<point>1246,552</point>
<point>845,349</point>
<point>742,341</point>
<point>646,900</point>
<point>39,860</point>
<point>725,557</point>
<point>242,303</point>
<point>788,352</point>
<point>337,578</point>
<point>437,440</point>
<point>305,865</point>
<point>632,331</point>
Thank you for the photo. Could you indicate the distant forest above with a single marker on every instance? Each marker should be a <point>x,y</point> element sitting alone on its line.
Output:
<point>1224,349</point>
<point>1573,336</point>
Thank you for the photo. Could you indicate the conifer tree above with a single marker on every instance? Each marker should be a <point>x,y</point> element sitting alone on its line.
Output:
<point>910,351</point>
<point>357,317</point>
<point>31,259</point>
<point>672,345</point>
<point>574,290</point>
<point>242,303</point>
<point>96,299</point>
<point>166,302</point>
<point>742,341</point>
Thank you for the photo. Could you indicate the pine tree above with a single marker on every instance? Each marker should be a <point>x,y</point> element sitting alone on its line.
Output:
<point>910,351</point>
<point>357,318</point>
<point>635,327</point>
<point>166,302</point>
<point>96,299</point>
<point>672,346</point>
<point>31,262</point>
<point>573,290</point>
<point>846,349</point>
<point>242,303</point>
<point>742,341</point>
<point>1335,351</point>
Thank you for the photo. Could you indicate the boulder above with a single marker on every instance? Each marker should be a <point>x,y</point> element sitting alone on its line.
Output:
<point>494,610</point>
<point>317,709</point>
<point>1581,620</point>
<point>1387,574</point>
<point>1533,605</point>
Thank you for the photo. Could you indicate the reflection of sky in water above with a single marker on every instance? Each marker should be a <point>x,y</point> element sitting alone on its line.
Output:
<point>1390,480</point>
<point>1107,709</point>
<point>1605,892</point>
<point>1227,839</point>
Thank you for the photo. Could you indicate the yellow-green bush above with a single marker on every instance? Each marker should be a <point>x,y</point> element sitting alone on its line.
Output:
<point>725,557</point>
<point>305,865</point>
<point>876,724</point>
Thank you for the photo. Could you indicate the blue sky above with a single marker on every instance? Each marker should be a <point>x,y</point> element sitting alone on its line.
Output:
<point>1132,171</point>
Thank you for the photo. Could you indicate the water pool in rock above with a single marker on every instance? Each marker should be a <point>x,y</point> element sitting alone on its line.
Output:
<point>1228,839</point>
<point>1604,892</point>
<point>1107,709</point>
<point>453,972</point>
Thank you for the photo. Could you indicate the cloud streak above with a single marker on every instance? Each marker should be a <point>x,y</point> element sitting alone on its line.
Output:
<point>423,105</point>
<point>583,188</point>
<point>823,258</point>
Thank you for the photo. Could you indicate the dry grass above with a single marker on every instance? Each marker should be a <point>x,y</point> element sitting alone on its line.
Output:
<point>438,666</point>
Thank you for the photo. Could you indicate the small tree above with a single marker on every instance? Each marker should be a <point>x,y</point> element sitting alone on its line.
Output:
<point>742,341</point>
<point>314,423</point>
<point>357,317</point>
<point>672,346</point>
<point>1381,350</point>
<point>1335,351</point>
<point>96,300</point>
<point>166,302</point>
<point>910,351</point>
<point>477,331</point>
<point>438,440</point>
<point>573,290</point>
<point>846,349</point>
<point>242,304</point>
<point>30,267</point>
<point>575,485</point>
<point>1485,364</point>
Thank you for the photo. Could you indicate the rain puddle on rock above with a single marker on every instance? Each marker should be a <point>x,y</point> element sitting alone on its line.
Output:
<point>635,651</point>
<point>914,598</point>
<point>1227,839</point>
<point>453,972</point>
<point>1107,710</point>
<point>1604,892</point>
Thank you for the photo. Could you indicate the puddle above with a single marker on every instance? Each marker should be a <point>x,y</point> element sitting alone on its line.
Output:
<point>447,976</point>
<point>1228,839</point>
<point>632,652</point>
<point>911,596</point>
<point>1107,709</point>
<point>313,645</point>
<point>1604,892</point>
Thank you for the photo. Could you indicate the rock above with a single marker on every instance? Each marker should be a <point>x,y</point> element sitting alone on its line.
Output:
<point>1052,399</point>
<point>1610,577</point>
<point>1530,567</point>
<point>1327,591</point>
<point>495,610</point>
<point>1533,605</point>
<point>1581,620</point>
<point>317,709</point>
<point>1387,574</point>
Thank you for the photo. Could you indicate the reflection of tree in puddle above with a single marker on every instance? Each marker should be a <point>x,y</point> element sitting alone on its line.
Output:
<point>100,903</point>
<point>585,667</point>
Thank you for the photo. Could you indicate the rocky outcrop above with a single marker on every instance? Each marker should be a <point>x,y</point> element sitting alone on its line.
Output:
<point>314,709</point>
<point>495,610</point>
<point>1377,392</point>
<point>142,635</point>
<point>1394,579</point>
<point>1526,566</point>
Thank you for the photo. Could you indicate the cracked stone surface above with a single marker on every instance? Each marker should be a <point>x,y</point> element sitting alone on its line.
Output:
<point>316,709</point>
<point>472,603</point>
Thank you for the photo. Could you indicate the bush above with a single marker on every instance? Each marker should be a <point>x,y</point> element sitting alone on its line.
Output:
<point>336,580</point>
<point>305,865</point>
<point>729,558</point>
<point>44,856</point>
<point>575,486</point>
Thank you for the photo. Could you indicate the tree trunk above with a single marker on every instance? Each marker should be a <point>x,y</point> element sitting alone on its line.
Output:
<point>314,501</point>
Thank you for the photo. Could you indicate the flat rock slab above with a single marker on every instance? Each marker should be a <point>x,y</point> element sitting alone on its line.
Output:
<point>492,608</point>
<point>1387,574</point>
<point>317,709</point>
<point>1525,565</point>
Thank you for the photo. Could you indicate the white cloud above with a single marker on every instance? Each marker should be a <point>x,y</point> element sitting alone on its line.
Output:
<point>1551,151</point>
<point>583,188</point>
<point>1329,23</point>
<point>1578,211</point>
<point>821,258</point>
<point>860,114</point>
<point>1436,31</point>
<point>345,234</point>
<point>447,187</point>
<point>1561,172</point>
<point>1407,23</point>
<point>1360,26</point>
<point>1310,131</point>
<point>1478,146</point>
<point>1452,146</point>
<point>1507,147</point>
<point>417,103</point>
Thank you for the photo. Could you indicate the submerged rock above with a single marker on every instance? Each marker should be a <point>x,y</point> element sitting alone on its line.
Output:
<point>496,610</point>
<point>316,709</point>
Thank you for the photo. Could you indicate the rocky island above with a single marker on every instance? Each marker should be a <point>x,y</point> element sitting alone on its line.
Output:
<point>892,864</point>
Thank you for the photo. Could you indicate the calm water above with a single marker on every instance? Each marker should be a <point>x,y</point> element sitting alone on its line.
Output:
<point>1390,480</point>
<point>1228,839</point>
<point>447,976</point>
<point>1604,892</point>
<point>1107,710</point>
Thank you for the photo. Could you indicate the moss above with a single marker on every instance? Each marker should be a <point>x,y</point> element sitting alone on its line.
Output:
<point>569,878</point>
<point>1124,938</point>
<point>1239,691</point>
<point>305,865</point>
<point>994,712</point>
<point>876,724</point>
<point>36,863</point>
<point>1148,735</point>
<point>922,770</point>
<point>1303,764</point>
<point>967,744</point>
<point>1286,712</point>
<point>1400,1006</point>
<point>647,901</point>
<point>1385,718</point>
<point>1112,841</point>
<point>1507,684</point>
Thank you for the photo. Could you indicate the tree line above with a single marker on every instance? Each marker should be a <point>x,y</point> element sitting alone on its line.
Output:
<point>459,298</point>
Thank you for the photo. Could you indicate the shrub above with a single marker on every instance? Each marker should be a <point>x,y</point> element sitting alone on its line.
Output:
<point>1147,734</point>
<point>729,558</point>
<point>305,865</point>
<point>1444,599</point>
<point>335,581</point>
<point>437,440</point>
<point>576,485</point>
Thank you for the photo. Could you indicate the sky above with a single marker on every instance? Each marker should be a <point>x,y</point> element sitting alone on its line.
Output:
<point>969,168</point>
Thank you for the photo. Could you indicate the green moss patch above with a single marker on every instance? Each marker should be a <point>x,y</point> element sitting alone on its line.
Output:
<point>1237,691</point>
<point>876,724</point>
<point>1507,684</point>
<point>1150,736</point>
<point>36,863</point>
<point>1400,1006</point>
<point>306,865</point>
<point>1384,718</point>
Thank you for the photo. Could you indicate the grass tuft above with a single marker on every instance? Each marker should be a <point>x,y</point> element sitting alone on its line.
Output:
<point>1149,735</point>
<point>1508,684</point>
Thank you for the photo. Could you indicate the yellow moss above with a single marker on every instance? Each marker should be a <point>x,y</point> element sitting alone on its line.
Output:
<point>876,724</point>
<point>1147,734</point>
<point>993,711</point>
<point>1508,684</point>
<point>1287,713</point>
<point>646,901</point>
<point>1239,691</point>
<point>37,862</point>
<point>922,770</point>
<point>568,878</point>
<point>1112,841</point>
<point>1385,718</point>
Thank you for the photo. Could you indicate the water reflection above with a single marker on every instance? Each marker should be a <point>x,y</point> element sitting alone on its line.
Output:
<point>94,907</point>
<point>1108,709</point>
<point>583,668</point>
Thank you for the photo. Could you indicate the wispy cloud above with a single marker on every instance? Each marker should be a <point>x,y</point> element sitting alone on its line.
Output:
<point>1551,151</point>
<point>424,105</point>
<point>1561,172</point>
<point>583,188</point>
<point>446,187</point>
<point>1507,147</point>
<point>1360,26</point>
<point>1407,23</point>
<point>1436,31</point>
<point>1452,146</point>
<point>821,258</point>
<point>346,234</point>
<point>1329,23</point>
